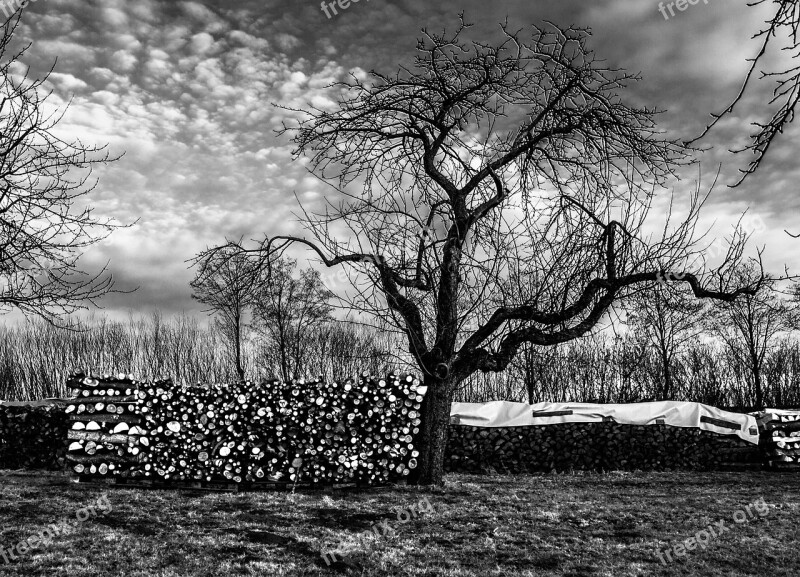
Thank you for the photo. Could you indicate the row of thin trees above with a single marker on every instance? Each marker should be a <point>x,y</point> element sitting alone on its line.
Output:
<point>663,345</point>
<point>668,346</point>
<point>623,369</point>
<point>36,357</point>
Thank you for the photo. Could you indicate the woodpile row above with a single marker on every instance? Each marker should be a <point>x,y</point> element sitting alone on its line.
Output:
<point>32,437</point>
<point>599,446</point>
<point>301,432</point>
<point>780,439</point>
<point>110,436</point>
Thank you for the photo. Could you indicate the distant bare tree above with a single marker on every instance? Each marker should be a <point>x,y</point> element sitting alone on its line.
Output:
<point>288,310</point>
<point>227,283</point>
<point>343,349</point>
<point>749,327</point>
<point>43,179</point>
<point>783,26</point>
<point>503,190</point>
<point>668,318</point>
<point>533,364</point>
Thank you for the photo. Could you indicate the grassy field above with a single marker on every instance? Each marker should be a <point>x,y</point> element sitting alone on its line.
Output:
<point>611,524</point>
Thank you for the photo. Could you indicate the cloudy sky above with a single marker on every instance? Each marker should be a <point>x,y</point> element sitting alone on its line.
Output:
<point>186,91</point>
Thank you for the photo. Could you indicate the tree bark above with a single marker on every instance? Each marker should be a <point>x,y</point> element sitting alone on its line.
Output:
<point>667,376</point>
<point>238,347</point>
<point>755,368</point>
<point>434,428</point>
<point>759,393</point>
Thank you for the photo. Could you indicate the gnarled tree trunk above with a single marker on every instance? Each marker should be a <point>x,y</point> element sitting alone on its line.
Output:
<point>432,438</point>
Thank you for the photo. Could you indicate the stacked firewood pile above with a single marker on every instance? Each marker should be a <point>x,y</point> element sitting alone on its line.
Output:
<point>104,424</point>
<point>593,446</point>
<point>360,430</point>
<point>780,438</point>
<point>31,436</point>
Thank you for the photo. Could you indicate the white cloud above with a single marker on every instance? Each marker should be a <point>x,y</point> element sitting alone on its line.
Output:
<point>123,61</point>
<point>112,16</point>
<point>245,39</point>
<point>287,42</point>
<point>67,83</point>
<point>202,43</point>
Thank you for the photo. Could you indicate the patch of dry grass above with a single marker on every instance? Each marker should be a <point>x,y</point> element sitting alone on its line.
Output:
<point>570,525</point>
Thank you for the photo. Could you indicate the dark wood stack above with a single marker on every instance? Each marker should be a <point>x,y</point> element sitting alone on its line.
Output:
<point>300,432</point>
<point>31,436</point>
<point>104,435</point>
<point>594,446</point>
<point>780,439</point>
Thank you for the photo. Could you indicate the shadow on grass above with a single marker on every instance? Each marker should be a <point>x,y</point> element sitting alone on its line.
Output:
<point>138,527</point>
<point>289,545</point>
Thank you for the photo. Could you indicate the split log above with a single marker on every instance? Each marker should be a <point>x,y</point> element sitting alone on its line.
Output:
<point>97,459</point>
<point>106,418</point>
<point>95,436</point>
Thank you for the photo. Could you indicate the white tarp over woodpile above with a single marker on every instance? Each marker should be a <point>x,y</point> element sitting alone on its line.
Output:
<point>673,413</point>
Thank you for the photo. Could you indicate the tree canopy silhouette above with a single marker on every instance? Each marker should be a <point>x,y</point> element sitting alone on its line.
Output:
<point>493,195</point>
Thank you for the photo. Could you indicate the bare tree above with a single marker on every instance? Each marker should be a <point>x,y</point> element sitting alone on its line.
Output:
<point>288,310</point>
<point>341,350</point>
<point>43,179</point>
<point>783,25</point>
<point>503,191</point>
<point>750,325</point>
<point>533,364</point>
<point>227,282</point>
<point>668,318</point>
